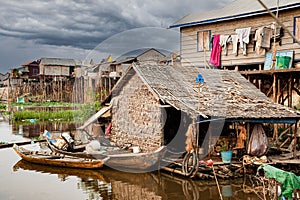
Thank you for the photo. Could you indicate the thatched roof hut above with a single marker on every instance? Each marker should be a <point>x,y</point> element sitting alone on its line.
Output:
<point>150,99</point>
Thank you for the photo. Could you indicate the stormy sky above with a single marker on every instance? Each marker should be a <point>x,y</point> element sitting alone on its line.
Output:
<point>81,29</point>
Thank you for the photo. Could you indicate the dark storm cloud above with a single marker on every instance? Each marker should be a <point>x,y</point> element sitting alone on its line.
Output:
<point>62,25</point>
<point>86,23</point>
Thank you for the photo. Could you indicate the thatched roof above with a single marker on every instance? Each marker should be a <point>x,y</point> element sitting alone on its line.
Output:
<point>224,94</point>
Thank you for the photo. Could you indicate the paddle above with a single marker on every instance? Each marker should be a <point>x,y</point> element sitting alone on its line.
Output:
<point>7,145</point>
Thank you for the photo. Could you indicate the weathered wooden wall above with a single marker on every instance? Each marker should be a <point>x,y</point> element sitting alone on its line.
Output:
<point>54,89</point>
<point>136,116</point>
<point>189,40</point>
<point>54,70</point>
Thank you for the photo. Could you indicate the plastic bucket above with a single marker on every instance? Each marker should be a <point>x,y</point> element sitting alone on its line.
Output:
<point>227,191</point>
<point>283,62</point>
<point>226,156</point>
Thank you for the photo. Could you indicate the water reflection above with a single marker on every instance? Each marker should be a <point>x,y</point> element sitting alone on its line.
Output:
<point>111,184</point>
<point>91,182</point>
<point>36,129</point>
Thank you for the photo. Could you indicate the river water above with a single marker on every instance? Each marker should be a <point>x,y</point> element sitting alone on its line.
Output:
<point>21,180</point>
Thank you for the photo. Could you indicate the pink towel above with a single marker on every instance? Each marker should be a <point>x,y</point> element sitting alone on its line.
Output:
<point>215,56</point>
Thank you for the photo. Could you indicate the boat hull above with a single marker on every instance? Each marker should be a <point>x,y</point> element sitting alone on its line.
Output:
<point>120,160</point>
<point>49,158</point>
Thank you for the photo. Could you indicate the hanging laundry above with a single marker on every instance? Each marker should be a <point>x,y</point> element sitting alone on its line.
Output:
<point>235,40</point>
<point>258,41</point>
<point>262,39</point>
<point>266,37</point>
<point>224,39</point>
<point>243,36</point>
<point>279,33</point>
<point>215,56</point>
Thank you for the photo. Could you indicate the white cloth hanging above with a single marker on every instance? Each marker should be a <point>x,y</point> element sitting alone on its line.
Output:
<point>243,36</point>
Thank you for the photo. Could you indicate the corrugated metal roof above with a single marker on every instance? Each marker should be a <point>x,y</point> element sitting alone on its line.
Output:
<point>58,61</point>
<point>236,9</point>
<point>225,93</point>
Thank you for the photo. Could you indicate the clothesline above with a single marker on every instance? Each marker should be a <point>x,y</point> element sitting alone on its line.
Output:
<point>241,38</point>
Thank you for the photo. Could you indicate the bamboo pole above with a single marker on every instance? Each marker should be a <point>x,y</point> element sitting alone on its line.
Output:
<point>279,91</point>
<point>295,141</point>
<point>274,87</point>
<point>217,182</point>
<point>275,131</point>
<point>290,92</point>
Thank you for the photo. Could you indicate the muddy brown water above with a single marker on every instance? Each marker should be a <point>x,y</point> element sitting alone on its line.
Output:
<point>23,180</point>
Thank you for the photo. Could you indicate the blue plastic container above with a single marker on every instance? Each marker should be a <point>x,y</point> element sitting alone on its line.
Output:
<point>226,156</point>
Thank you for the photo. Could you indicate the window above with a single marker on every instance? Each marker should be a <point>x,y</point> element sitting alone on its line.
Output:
<point>297,28</point>
<point>203,40</point>
<point>35,71</point>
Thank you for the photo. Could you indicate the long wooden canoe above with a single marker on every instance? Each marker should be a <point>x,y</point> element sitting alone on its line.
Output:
<point>119,158</point>
<point>63,173</point>
<point>55,159</point>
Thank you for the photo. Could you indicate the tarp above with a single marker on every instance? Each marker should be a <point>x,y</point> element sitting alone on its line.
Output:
<point>288,180</point>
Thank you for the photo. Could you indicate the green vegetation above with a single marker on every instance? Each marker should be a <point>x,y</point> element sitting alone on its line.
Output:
<point>80,114</point>
<point>43,104</point>
<point>2,106</point>
<point>3,142</point>
<point>64,115</point>
<point>86,110</point>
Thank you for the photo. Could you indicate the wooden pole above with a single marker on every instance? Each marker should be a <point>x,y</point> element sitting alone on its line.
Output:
<point>248,134</point>
<point>279,90</point>
<point>295,141</point>
<point>290,92</point>
<point>275,131</point>
<point>199,96</point>
<point>274,87</point>
<point>217,182</point>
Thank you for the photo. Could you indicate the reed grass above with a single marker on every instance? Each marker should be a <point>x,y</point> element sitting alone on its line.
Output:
<point>65,115</point>
<point>81,114</point>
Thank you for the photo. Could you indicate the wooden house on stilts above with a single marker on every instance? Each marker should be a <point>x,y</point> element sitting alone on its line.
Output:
<point>253,39</point>
<point>154,105</point>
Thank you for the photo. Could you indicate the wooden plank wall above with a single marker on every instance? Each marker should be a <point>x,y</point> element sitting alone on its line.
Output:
<point>189,40</point>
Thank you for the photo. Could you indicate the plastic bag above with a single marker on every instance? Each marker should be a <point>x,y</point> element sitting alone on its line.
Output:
<point>258,143</point>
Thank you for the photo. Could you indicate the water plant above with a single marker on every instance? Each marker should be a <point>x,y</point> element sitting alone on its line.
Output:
<point>65,115</point>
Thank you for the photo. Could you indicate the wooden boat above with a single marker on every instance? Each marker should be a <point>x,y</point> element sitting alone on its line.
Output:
<point>85,174</point>
<point>55,159</point>
<point>119,158</point>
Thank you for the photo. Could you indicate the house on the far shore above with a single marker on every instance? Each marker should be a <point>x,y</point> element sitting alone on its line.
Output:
<point>111,72</point>
<point>47,79</point>
<point>51,67</point>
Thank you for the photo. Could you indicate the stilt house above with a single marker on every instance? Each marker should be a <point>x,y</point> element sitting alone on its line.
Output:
<point>247,50</point>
